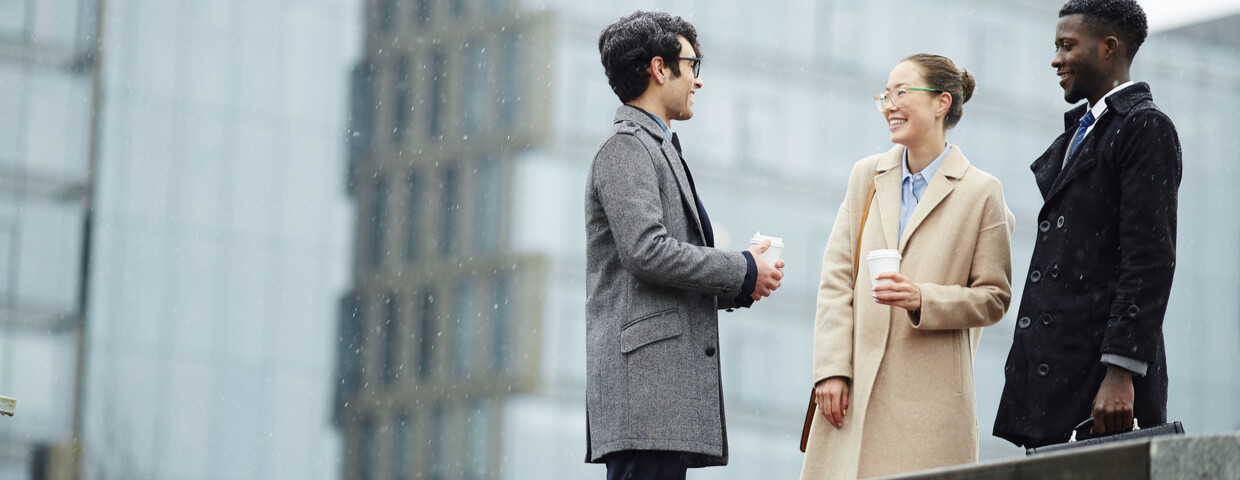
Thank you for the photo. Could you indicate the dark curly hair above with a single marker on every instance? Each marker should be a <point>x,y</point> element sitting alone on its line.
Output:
<point>627,46</point>
<point>941,74</point>
<point>1123,19</point>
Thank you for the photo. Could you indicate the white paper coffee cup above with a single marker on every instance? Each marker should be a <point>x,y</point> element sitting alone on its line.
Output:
<point>771,254</point>
<point>882,261</point>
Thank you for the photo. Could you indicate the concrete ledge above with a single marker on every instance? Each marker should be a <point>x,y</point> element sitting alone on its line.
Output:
<point>7,405</point>
<point>1161,458</point>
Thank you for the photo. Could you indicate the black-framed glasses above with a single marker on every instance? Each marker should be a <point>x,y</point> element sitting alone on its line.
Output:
<point>899,98</point>
<point>697,64</point>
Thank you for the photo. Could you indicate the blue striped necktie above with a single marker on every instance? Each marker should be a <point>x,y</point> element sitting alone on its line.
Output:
<point>1080,133</point>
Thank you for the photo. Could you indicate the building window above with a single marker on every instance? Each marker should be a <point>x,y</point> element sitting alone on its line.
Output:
<point>439,93</point>
<point>465,329</point>
<point>502,304</point>
<point>378,223</point>
<point>400,107</point>
<point>451,210</point>
<point>349,350</point>
<point>477,452</point>
<point>507,80</point>
<point>370,449</point>
<point>413,218</point>
<point>438,443</point>
<point>402,448</point>
<point>391,338</point>
<point>475,74</point>
<point>488,218</point>
<point>422,11</point>
<point>426,335</point>
<point>386,9</point>
<point>362,117</point>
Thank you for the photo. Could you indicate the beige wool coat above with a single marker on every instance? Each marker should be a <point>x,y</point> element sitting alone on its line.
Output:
<point>911,404</point>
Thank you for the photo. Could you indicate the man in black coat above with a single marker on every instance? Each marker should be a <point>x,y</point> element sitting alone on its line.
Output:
<point>1088,340</point>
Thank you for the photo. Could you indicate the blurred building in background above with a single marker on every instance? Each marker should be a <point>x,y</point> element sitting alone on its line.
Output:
<point>47,73</point>
<point>217,240</point>
<point>462,348</point>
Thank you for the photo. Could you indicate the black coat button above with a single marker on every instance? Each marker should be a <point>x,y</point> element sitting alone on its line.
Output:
<point>1059,223</point>
<point>1044,370</point>
<point>1054,272</point>
<point>1045,226</point>
<point>1133,311</point>
<point>1046,319</point>
<point>1035,276</point>
<point>1024,322</point>
<point>710,351</point>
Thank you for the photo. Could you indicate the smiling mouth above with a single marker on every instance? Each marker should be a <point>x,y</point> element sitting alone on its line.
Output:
<point>895,121</point>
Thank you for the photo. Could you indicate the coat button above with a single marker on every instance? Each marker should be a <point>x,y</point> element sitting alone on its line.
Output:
<point>1044,370</point>
<point>1046,319</point>
<point>1035,276</point>
<point>1024,322</point>
<point>1045,226</point>
<point>1059,223</point>
<point>1054,272</point>
<point>1133,311</point>
<point>710,351</point>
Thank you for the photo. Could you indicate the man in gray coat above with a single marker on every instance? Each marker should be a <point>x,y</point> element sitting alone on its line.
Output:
<point>654,402</point>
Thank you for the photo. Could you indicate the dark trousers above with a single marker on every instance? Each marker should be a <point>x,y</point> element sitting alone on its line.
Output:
<point>646,465</point>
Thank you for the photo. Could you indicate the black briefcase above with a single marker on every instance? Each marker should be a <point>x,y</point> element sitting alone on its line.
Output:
<point>1173,428</point>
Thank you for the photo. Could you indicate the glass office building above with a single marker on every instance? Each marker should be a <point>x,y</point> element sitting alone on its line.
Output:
<point>457,102</point>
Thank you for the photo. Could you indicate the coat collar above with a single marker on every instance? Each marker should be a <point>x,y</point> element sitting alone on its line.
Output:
<point>629,113</point>
<point>1047,168</point>
<point>635,116</point>
<point>888,176</point>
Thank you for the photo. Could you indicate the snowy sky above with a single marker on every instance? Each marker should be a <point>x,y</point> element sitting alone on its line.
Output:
<point>1165,14</point>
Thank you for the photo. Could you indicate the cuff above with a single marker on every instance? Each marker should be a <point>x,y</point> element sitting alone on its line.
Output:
<point>744,299</point>
<point>1133,365</point>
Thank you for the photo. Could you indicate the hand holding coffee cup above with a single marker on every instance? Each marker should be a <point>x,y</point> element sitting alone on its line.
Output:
<point>889,286</point>
<point>772,253</point>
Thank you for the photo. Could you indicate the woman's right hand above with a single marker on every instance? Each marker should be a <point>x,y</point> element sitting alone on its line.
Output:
<point>832,397</point>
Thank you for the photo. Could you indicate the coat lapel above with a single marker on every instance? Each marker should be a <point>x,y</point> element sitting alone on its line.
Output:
<point>670,157</point>
<point>887,194</point>
<point>940,186</point>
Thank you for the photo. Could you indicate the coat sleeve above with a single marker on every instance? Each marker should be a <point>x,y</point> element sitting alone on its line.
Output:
<point>624,179</point>
<point>833,322</point>
<point>1149,167</point>
<point>988,294</point>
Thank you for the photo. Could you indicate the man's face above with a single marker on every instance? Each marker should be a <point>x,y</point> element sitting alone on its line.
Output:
<point>678,96</point>
<point>1077,61</point>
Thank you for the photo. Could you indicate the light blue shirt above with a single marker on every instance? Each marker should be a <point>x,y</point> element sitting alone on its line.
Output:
<point>914,185</point>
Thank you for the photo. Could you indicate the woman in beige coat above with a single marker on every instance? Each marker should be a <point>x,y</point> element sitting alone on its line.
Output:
<point>893,364</point>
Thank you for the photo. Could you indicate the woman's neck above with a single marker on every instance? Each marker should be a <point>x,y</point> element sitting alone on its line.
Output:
<point>922,154</point>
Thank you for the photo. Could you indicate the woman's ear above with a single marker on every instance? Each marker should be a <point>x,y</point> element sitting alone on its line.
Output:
<point>945,104</point>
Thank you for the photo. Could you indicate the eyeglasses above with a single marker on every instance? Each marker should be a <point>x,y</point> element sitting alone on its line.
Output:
<point>697,64</point>
<point>899,98</point>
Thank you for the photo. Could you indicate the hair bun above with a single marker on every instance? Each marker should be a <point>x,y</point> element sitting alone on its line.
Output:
<point>968,84</point>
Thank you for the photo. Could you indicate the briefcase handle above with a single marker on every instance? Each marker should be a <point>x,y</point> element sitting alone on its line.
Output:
<point>1090,422</point>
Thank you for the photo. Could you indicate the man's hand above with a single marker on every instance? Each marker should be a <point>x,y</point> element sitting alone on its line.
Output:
<point>1112,410</point>
<point>768,275</point>
<point>832,397</point>
<point>903,293</point>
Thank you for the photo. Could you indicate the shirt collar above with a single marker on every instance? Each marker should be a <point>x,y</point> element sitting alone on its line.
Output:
<point>655,117</point>
<point>928,172</point>
<point>1101,107</point>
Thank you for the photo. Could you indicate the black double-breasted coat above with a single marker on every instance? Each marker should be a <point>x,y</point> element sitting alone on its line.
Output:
<point>1101,271</point>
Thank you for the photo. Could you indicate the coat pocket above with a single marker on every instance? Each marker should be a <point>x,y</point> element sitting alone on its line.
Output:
<point>649,329</point>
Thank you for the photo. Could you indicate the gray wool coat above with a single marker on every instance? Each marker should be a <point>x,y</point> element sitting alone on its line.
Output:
<point>653,291</point>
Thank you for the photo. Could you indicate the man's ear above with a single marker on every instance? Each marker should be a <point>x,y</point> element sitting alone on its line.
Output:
<point>1109,47</point>
<point>656,70</point>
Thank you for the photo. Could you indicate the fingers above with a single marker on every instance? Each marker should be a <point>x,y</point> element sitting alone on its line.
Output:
<point>780,264</point>
<point>837,418</point>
